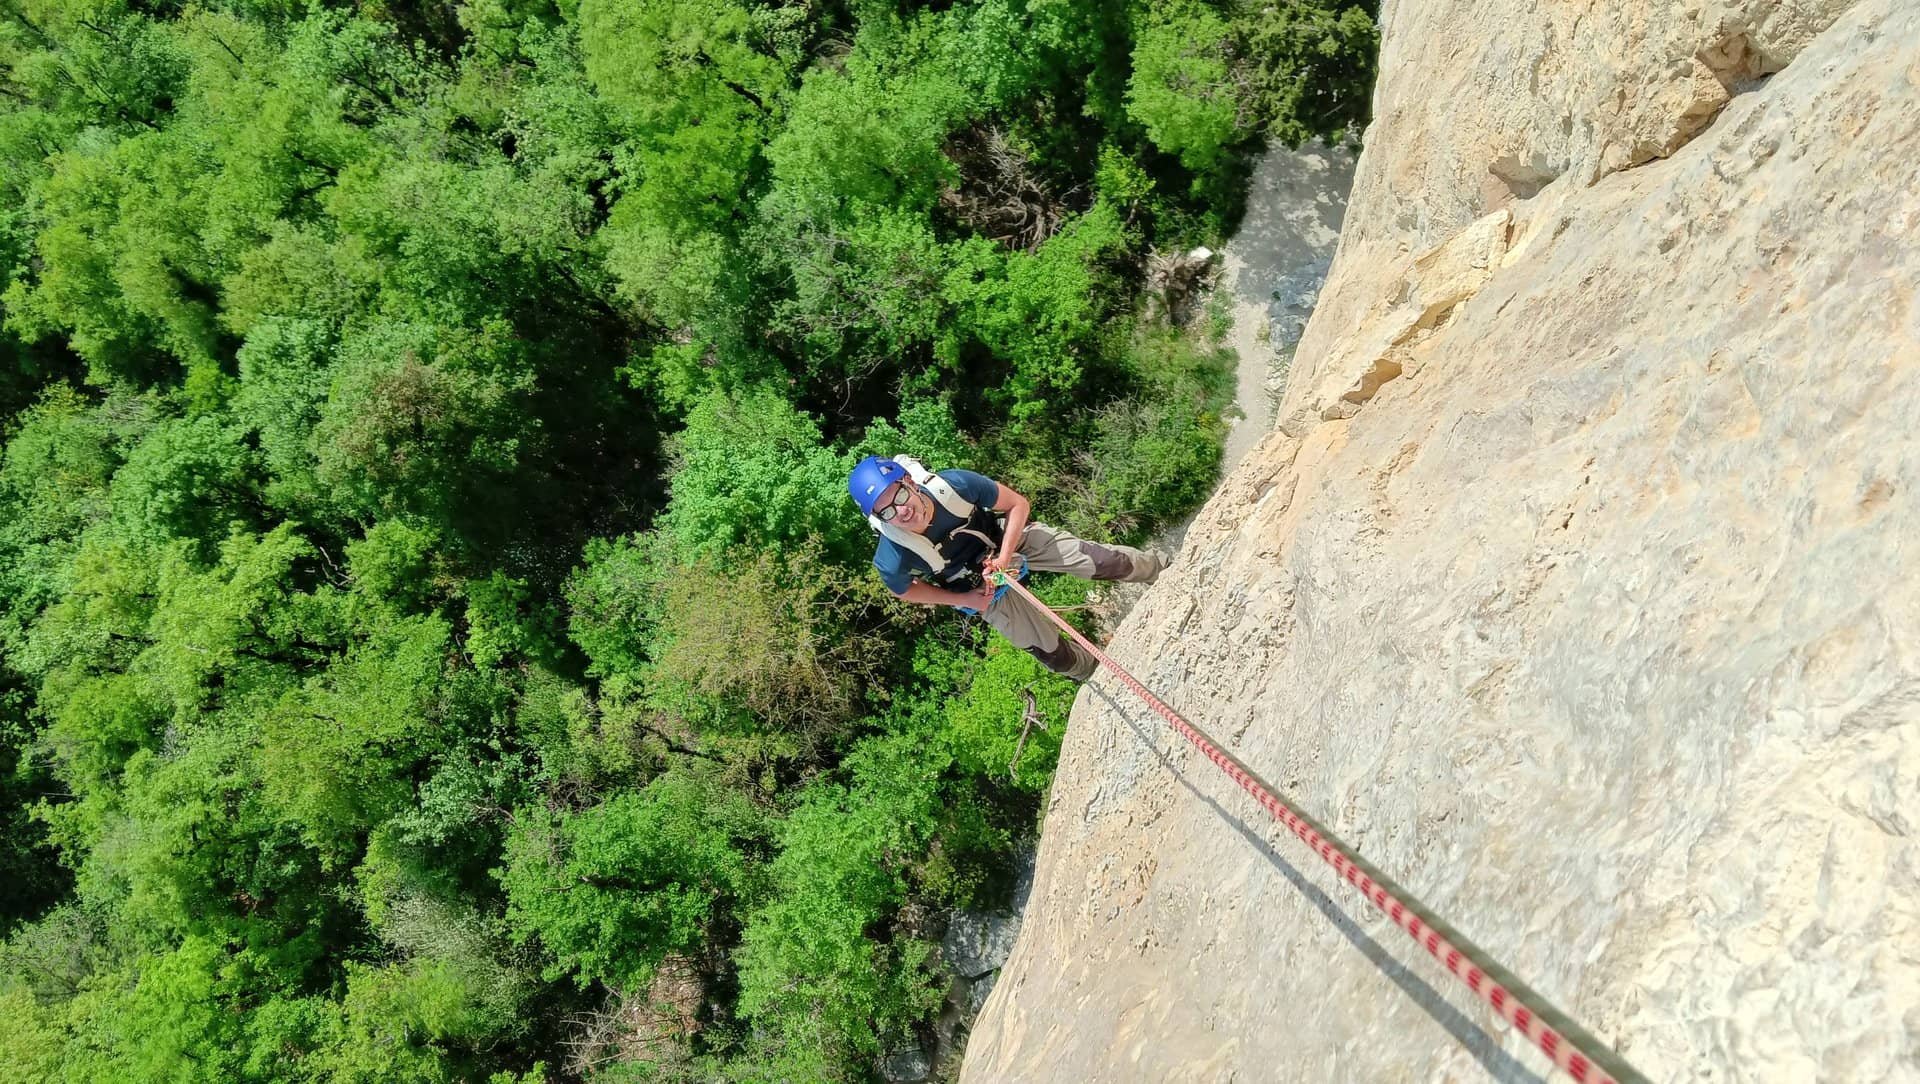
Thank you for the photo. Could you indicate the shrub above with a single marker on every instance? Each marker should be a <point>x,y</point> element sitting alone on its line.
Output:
<point>614,889</point>
<point>1157,454</point>
<point>1182,90</point>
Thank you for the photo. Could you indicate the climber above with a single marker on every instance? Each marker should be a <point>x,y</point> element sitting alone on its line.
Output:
<point>942,534</point>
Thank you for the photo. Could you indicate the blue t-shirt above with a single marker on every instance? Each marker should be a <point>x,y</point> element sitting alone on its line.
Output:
<point>898,565</point>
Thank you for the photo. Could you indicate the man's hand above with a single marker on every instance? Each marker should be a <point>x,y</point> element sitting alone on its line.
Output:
<point>1017,509</point>
<point>982,598</point>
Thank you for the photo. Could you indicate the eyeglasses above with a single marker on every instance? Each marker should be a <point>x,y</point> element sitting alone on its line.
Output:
<point>901,495</point>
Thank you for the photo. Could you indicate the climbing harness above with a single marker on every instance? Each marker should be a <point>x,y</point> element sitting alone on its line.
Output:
<point>952,560</point>
<point>1001,590</point>
<point>1571,1047</point>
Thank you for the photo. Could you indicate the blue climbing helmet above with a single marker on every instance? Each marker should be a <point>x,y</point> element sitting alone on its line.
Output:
<point>870,479</point>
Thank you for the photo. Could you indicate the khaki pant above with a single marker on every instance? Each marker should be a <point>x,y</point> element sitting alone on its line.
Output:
<point>1050,549</point>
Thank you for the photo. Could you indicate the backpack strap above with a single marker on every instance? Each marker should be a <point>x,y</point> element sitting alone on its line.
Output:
<point>939,487</point>
<point>941,490</point>
<point>916,544</point>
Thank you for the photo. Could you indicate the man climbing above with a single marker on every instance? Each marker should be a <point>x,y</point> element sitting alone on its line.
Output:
<point>942,534</point>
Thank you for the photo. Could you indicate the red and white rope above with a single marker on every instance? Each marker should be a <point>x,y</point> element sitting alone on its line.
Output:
<point>1570,1046</point>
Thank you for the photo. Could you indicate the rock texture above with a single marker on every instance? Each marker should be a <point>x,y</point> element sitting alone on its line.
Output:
<point>1483,103</point>
<point>977,943</point>
<point>1579,589</point>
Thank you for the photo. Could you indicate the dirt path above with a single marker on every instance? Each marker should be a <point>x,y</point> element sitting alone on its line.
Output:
<point>1273,268</point>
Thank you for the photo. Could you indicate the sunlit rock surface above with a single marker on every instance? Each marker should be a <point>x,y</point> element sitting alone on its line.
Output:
<point>1579,589</point>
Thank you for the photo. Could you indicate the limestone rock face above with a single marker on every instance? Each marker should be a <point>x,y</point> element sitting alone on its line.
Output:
<point>978,943</point>
<point>1482,103</point>
<point>1594,620</point>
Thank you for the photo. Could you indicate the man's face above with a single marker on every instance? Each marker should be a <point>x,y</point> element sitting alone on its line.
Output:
<point>901,506</point>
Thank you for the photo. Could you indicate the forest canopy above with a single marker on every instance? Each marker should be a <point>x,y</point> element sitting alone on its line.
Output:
<point>435,642</point>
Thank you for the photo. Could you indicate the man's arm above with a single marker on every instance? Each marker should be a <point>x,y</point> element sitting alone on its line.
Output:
<point>927,594</point>
<point>1017,508</point>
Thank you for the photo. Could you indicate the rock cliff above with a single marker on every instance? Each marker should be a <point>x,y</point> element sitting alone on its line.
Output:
<point>1579,588</point>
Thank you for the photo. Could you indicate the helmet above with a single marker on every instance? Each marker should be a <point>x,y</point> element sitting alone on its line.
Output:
<point>871,478</point>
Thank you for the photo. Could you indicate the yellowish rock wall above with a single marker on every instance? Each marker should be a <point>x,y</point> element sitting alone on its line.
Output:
<point>1579,589</point>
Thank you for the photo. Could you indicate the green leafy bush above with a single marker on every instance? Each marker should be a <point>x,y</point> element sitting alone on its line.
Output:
<point>752,471</point>
<point>1309,67</point>
<point>1158,454</point>
<point>1207,78</point>
<point>612,890</point>
<point>1182,89</point>
<point>809,971</point>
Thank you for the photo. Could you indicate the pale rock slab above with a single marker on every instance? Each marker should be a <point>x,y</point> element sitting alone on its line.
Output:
<point>1598,627</point>
<point>1485,103</point>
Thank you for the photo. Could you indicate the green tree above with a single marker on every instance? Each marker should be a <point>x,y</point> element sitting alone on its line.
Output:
<point>1182,90</point>
<point>612,890</point>
<point>1205,79</point>
<point>699,84</point>
<point>1040,310</point>
<point>423,422</point>
<point>31,878</point>
<point>1157,453</point>
<point>338,753</point>
<point>809,972</point>
<point>751,471</point>
<point>1309,67</point>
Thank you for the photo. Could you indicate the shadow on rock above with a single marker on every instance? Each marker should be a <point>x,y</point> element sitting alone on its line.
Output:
<point>1485,1049</point>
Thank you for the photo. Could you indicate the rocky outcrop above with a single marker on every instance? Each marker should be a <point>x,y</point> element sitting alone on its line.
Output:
<point>974,946</point>
<point>1482,105</point>
<point>1579,589</point>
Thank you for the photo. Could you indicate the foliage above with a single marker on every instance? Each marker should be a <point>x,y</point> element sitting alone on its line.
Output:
<point>1206,78</point>
<point>809,972</point>
<point>1158,453</point>
<point>763,652</point>
<point>31,880</point>
<point>752,471</point>
<point>1309,67</point>
<point>1181,89</point>
<point>612,890</point>
<point>776,640</point>
<point>982,726</point>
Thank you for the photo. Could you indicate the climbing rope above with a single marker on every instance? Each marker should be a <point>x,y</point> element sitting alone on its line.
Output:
<point>1571,1047</point>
